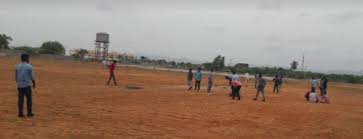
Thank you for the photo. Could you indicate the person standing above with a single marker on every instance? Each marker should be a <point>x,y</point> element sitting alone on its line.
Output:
<point>261,84</point>
<point>256,79</point>
<point>112,73</point>
<point>323,86</point>
<point>281,78</point>
<point>229,78</point>
<point>24,75</point>
<point>104,63</point>
<point>247,78</point>
<point>190,79</point>
<point>313,84</point>
<point>198,79</point>
<point>276,81</point>
<point>210,82</point>
<point>235,77</point>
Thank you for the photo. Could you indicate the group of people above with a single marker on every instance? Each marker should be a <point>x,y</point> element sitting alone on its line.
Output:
<point>198,79</point>
<point>234,82</point>
<point>25,80</point>
<point>311,96</point>
<point>260,84</point>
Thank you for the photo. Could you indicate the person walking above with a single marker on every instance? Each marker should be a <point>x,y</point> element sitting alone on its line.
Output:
<point>112,73</point>
<point>210,82</point>
<point>190,79</point>
<point>198,79</point>
<point>261,84</point>
<point>24,77</point>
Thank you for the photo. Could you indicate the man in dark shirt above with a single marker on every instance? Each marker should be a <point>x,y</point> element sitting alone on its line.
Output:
<point>256,79</point>
<point>190,79</point>
<point>261,84</point>
<point>323,86</point>
<point>112,74</point>
<point>276,81</point>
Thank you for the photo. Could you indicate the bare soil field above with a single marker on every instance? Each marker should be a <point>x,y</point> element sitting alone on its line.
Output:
<point>72,101</point>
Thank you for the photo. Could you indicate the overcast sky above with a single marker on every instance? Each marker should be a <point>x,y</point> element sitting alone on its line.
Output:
<point>259,32</point>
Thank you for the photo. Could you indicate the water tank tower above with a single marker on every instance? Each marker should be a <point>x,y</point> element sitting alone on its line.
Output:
<point>101,45</point>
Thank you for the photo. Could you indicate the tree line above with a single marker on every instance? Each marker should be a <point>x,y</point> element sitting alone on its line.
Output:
<point>217,64</point>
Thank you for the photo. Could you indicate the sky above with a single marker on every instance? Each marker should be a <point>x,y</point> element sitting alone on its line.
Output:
<point>258,32</point>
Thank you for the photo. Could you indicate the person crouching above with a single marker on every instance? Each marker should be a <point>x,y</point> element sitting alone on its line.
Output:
<point>311,96</point>
<point>236,87</point>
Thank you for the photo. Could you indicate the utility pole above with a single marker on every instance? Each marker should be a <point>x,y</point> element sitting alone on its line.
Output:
<point>302,63</point>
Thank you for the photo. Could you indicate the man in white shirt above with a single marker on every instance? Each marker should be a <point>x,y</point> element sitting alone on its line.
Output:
<point>313,83</point>
<point>210,82</point>
<point>313,97</point>
<point>104,63</point>
<point>247,78</point>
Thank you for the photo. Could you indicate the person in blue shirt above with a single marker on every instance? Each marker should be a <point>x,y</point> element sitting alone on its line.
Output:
<point>198,79</point>
<point>24,76</point>
<point>313,83</point>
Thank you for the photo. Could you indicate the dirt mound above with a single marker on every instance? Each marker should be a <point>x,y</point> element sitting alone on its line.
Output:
<point>133,87</point>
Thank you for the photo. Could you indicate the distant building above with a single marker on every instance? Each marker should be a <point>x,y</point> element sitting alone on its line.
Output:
<point>111,55</point>
<point>241,65</point>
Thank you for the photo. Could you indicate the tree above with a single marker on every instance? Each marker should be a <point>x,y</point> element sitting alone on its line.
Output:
<point>218,63</point>
<point>5,41</point>
<point>207,66</point>
<point>144,58</point>
<point>28,50</point>
<point>80,54</point>
<point>162,62</point>
<point>294,65</point>
<point>172,63</point>
<point>52,47</point>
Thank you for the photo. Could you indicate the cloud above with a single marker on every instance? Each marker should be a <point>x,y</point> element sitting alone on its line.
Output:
<point>104,5</point>
<point>346,16</point>
<point>269,4</point>
<point>214,28</point>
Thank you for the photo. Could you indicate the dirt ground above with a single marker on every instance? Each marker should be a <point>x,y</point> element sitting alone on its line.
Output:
<point>72,101</point>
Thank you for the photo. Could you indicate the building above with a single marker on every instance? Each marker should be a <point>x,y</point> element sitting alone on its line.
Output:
<point>241,65</point>
<point>111,55</point>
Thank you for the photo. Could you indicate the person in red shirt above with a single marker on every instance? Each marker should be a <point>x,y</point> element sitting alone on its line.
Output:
<point>112,74</point>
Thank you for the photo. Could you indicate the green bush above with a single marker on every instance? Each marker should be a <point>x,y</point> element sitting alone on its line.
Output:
<point>28,50</point>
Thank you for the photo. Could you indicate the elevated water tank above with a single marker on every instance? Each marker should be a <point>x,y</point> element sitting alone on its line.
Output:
<point>102,37</point>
